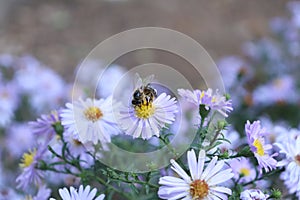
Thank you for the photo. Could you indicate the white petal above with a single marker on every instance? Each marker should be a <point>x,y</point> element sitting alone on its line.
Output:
<point>192,162</point>
<point>221,177</point>
<point>201,160</point>
<point>180,171</point>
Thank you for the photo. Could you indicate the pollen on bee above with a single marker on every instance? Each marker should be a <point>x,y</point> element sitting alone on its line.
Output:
<point>145,110</point>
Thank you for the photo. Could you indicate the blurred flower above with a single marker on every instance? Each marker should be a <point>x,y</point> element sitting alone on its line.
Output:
<point>105,86</point>
<point>19,139</point>
<point>215,102</point>
<point>6,60</point>
<point>76,149</point>
<point>243,170</point>
<point>294,7</point>
<point>280,90</point>
<point>253,194</point>
<point>8,103</point>
<point>290,148</point>
<point>203,183</point>
<point>255,135</point>
<point>149,118</point>
<point>233,69</point>
<point>276,131</point>
<point>8,194</point>
<point>45,87</point>
<point>43,194</point>
<point>30,174</point>
<point>49,92</point>
<point>82,194</point>
<point>90,120</point>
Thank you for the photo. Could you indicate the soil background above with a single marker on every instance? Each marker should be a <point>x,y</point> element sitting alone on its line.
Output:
<point>61,33</point>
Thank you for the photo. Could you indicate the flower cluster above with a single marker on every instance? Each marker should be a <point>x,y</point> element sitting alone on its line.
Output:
<point>62,142</point>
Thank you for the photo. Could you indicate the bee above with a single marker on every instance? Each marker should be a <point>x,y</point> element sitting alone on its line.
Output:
<point>143,93</point>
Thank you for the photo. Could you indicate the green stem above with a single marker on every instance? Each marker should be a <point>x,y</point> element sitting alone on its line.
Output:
<point>100,180</point>
<point>264,176</point>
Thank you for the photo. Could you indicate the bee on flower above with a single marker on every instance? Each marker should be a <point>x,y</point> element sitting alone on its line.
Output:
<point>148,112</point>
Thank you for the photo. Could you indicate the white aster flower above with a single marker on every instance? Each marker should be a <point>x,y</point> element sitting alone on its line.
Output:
<point>253,194</point>
<point>82,194</point>
<point>203,182</point>
<point>149,118</point>
<point>290,147</point>
<point>90,120</point>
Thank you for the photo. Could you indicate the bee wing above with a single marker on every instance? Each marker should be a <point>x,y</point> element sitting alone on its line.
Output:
<point>148,79</point>
<point>138,82</point>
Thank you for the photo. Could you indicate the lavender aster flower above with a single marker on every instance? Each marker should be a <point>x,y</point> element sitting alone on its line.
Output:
<point>203,182</point>
<point>255,136</point>
<point>279,90</point>
<point>19,138</point>
<point>213,101</point>
<point>8,103</point>
<point>44,125</point>
<point>253,194</point>
<point>30,174</point>
<point>243,170</point>
<point>42,194</point>
<point>82,194</point>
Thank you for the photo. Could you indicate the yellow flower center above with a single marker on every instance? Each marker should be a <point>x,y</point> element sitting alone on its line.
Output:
<point>259,147</point>
<point>202,94</point>
<point>199,189</point>
<point>214,99</point>
<point>93,113</point>
<point>245,172</point>
<point>297,159</point>
<point>27,159</point>
<point>28,197</point>
<point>77,142</point>
<point>278,83</point>
<point>144,111</point>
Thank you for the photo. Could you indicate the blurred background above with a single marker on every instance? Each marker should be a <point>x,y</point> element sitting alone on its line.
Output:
<point>256,45</point>
<point>61,33</point>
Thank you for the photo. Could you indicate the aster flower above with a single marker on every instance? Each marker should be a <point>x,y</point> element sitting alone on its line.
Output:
<point>253,194</point>
<point>44,125</point>
<point>19,139</point>
<point>255,136</point>
<point>90,120</point>
<point>279,90</point>
<point>33,78</point>
<point>203,182</point>
<point>8,103</point>
<point>82,194</point>
<point>8,194</point>
<point>76,149</point>
<point>243,170</point>
<point>30,174</point>
<point>113,72</point>
<point>42,194</point>
<point>211,101</point>
<point>290,148</point>
<point>149,118</point>
<point>232,69</point>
